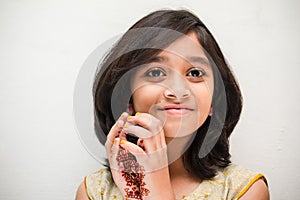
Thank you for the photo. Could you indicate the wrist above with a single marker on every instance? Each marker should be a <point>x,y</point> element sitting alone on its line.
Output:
<point>159,185</point>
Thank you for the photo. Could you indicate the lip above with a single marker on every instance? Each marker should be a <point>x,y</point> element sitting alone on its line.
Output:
<point>176,109</point>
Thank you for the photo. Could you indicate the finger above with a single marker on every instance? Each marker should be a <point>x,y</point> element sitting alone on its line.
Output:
<point>122,135</point>
<point>115,130</point>
<point>124,116</point>
<point>113,133</point>
<point>153,129</point>
<point>142,119</point>
<point>139,131</point>
<point>153,136</point>
<point>113,154</point>
<point>140,143</point>
<point>147,121</point>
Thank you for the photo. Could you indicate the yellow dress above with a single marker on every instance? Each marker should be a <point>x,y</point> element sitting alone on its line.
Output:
<point>230,183</point>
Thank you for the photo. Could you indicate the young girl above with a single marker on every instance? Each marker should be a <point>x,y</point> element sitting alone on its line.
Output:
<point>182,103</point>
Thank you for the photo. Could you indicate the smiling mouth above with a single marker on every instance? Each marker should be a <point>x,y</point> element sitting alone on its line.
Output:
<point>176,110</point>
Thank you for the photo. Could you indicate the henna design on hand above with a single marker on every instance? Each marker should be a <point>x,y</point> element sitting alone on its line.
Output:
<point>134,174</point>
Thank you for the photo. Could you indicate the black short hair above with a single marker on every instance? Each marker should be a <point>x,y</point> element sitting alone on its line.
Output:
<point>122,58</point>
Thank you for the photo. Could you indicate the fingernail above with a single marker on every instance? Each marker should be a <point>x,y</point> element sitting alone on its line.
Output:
<point>130,117</point>
<point>138,113</point>
<point>122,141</point>
<point>116,140</point>
<point>123,114</point>
<point>126,125</point>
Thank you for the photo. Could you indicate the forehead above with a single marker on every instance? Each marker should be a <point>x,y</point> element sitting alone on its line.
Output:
<point>186,46</point>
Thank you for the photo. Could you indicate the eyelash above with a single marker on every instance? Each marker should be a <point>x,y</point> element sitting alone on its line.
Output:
<point>201,73</point>
<point>149,73</point>
<point>158,74</point>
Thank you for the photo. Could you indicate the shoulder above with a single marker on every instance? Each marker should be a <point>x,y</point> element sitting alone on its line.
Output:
<point>233,182</point>
<point>258,191</point>
<point>98,185</point>
<point>241,182</point>
<point>81,192</point>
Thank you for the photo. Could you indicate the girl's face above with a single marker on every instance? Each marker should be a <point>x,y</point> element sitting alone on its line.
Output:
<point>176,87</point>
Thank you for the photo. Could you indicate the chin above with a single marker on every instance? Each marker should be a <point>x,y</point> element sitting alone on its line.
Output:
<point>179,129</point>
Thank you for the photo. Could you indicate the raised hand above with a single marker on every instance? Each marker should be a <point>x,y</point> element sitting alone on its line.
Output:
<point>128,175</point>
<point>139,170</point>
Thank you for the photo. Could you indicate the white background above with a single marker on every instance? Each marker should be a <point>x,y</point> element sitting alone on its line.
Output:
<point>43,45</point>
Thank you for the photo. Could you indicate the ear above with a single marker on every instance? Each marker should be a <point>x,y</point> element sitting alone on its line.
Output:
<point>210,111</point>
<point>130,109</point>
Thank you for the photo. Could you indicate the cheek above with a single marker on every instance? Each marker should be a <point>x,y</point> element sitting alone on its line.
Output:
<point>203,98</point>
<point>145,97</point>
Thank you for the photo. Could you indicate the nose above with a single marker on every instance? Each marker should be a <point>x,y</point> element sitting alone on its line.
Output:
<point>177,89</point>
<point>177,95</point>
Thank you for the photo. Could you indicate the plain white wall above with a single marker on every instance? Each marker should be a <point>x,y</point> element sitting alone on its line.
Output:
<point>43,45</point>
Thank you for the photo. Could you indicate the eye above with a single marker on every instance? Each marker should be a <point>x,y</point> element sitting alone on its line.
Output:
<point>155,73</point>
<point>196,73</point>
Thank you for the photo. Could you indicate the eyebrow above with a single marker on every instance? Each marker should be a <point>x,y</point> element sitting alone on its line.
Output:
<point>191,59</point>
<point>198,59</point>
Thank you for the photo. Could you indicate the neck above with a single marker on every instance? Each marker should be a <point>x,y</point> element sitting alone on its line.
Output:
<point>176,169</point>
<point>179,176</point>
<point>176,149</point>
